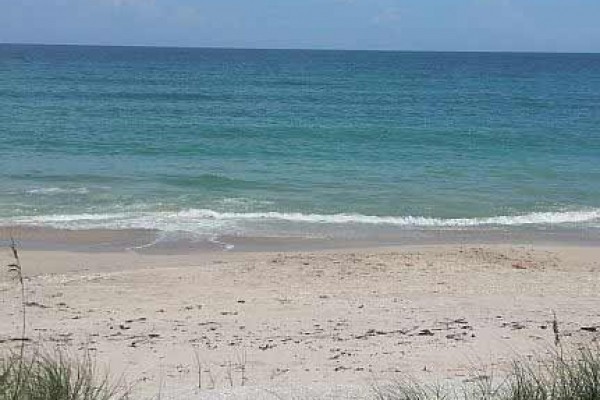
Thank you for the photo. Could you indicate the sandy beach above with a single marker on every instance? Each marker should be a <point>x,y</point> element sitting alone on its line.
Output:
<point>311,322</point>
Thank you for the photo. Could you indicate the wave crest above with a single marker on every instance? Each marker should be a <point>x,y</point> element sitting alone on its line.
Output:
<point>57,190</point>
<point>199,220</point>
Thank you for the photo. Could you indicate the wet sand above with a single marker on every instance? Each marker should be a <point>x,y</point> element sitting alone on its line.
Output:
<point>146,241</point>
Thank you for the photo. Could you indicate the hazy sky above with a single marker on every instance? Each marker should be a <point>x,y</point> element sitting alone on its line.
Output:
<point>516,25</point>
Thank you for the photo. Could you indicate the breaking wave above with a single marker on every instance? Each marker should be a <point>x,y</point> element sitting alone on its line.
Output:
<point>199,220</point>
<point>57,190</point>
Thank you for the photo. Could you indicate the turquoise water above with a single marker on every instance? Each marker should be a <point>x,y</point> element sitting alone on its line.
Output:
<point>288,143</point>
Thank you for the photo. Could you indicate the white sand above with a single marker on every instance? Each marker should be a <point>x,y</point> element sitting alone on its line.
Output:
<point>304,324</point>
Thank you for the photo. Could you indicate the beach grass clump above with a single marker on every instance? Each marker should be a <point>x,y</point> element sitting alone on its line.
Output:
<point>575,376</point>
<point>413,390</point>
<point>55,377</point>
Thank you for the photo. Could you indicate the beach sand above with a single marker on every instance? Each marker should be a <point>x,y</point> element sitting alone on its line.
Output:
<point>304,323</point>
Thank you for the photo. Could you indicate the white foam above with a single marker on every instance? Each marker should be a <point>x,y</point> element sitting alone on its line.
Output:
<point>209,221</point>
<point>244,202</point>
<point>58,190</point>
<point>532,218</point>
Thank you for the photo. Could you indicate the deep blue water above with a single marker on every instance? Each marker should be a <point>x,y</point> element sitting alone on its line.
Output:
<point>276,142</point>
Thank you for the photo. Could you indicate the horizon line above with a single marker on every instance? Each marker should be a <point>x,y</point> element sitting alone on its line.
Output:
<point>291,48</point>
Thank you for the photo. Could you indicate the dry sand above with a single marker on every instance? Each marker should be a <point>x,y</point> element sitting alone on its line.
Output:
<point>308,322</point>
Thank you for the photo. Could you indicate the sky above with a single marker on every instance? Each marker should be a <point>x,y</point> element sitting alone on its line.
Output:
<point>441,25</point>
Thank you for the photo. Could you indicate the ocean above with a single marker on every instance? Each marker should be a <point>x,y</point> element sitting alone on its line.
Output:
<point>210,143</point>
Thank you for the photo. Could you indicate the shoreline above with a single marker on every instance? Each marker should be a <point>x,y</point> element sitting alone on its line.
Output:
<point>146,241</point>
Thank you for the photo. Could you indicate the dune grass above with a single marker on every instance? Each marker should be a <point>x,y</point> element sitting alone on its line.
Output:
<point>55,377</point>
<point>575,376</point>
